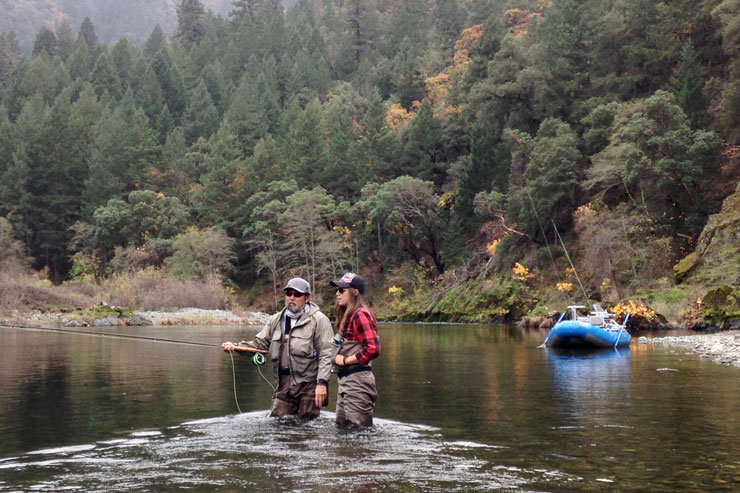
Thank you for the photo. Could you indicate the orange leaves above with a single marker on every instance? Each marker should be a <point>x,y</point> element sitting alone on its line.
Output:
<point>518,19</point>
<point>468,39</point>
<point>396,116</point>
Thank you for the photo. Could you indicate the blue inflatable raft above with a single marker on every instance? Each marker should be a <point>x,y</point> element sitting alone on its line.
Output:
<point>598,330</point>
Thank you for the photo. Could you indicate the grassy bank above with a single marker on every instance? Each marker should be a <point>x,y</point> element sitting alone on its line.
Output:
<point>24,293</point>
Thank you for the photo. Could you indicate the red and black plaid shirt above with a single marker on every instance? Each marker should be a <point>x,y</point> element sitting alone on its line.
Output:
<point>363,328</point>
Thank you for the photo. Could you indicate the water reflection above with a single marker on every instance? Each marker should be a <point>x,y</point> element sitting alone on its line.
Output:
<point>590,382</point>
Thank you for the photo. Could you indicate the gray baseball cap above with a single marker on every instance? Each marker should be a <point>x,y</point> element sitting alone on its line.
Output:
<point>300,285</point>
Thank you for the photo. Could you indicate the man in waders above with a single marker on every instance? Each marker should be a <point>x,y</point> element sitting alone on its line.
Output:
<point>298,340</point>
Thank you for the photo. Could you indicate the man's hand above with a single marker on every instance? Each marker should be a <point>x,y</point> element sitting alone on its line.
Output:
<point>320,394</point>
<point>228,346</point>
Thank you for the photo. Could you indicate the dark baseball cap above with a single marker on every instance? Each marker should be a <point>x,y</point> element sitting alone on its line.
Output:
<point>350,280</point>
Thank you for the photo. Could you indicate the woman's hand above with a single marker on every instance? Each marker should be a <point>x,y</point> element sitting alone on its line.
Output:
<point>228,346</point>
<point>345,360</point>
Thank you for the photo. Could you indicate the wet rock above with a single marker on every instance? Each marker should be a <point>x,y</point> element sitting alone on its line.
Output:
<point>109,321</point>
<point>138,321</point>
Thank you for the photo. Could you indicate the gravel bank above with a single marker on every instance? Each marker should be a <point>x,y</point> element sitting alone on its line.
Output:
<point>196,316</point>
<point>721,348</point>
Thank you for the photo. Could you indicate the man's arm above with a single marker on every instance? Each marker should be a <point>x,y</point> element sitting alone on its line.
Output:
<point>261,340</point>
<point>322,342</point>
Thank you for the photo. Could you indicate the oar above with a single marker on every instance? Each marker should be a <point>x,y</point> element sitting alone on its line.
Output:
<point>548,334</point>
<point>624,324</point>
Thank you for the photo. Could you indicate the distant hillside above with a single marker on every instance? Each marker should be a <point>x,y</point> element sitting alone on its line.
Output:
<point>113,19</point>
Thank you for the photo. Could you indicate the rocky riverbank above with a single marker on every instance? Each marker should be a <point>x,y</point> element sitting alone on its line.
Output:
<point>723,347</point>
<point>183,316</point>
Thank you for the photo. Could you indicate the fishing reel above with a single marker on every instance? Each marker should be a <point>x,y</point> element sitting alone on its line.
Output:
<point>259,359</point>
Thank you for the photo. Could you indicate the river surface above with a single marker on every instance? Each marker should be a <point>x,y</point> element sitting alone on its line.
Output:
<point>461,408</point>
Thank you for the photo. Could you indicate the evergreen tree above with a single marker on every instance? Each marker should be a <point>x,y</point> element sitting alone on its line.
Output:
<point>190,22</point>
<point>407,80</point>
<point>448,21</point>
<point>80,63</point>
<point>221,193</point>
<point>122,57</point>
<point>378,146</point>
<point>408,25</point>
<point>155,42</point>
<point>201,116</point>
<point>170,81</point>
<point>123,146</point>
<point>308,145</point>
<point>10,57</point>
<point>689,82</point>
<point>550,189</point>
<point>65,40</point>
<point>421,153</point>
<point>45,42</point>
<point>248,114</point>
<point>87,32</point>
<point>104,78</point>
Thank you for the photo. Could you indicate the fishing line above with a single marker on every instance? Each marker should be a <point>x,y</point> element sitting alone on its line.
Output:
<point>233,374</point>
<point>111,335</point>
<point>571,264</point>
<point>258,359</point>
<point>549,251</point>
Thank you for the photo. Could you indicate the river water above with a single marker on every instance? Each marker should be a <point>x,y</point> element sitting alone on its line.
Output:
<point>461,408</point>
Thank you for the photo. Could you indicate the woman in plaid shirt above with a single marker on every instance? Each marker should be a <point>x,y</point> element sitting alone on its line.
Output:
<point>358,346</point>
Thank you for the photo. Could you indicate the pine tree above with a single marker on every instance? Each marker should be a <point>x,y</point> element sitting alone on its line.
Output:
<point>201,116</point>
<point>105,79</point>
<point>65,40</point>
<point>170,81</point>
<point>10,56</point>
<point>190,22</point>
<point>45,42</point>
<point>155,42</point>
<point>87,32</point>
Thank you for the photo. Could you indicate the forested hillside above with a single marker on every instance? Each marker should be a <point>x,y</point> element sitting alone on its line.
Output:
<point>113,19</point>
<point>437,147</point>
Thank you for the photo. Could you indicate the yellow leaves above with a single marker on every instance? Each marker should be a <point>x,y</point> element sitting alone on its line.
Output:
<point>586,210</point>
<point>634,309</point>
<point>395,291</point>
<point>606,285</point>
<point>565,287</point>
<point>342,230</point>
<point>396,116</point>
<point>521,272</point>
<point>446,198</point>
<point>491,247</point>
<point>518,19</point>
<point>437,86</point>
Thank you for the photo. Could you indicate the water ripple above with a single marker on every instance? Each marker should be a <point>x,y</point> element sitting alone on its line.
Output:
<point>253,450</point>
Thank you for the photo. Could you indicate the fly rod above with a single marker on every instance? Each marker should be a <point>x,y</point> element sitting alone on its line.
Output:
<point>113,335</point>
<point>571,264</point>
